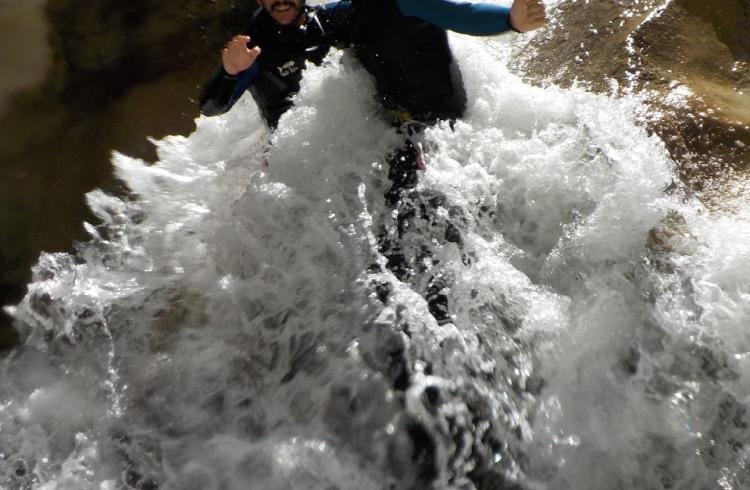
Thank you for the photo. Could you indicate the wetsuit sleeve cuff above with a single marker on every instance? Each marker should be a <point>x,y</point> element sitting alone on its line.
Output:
<point>226,75</point>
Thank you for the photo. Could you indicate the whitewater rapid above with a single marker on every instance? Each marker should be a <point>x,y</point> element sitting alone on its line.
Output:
<point>223,328</point>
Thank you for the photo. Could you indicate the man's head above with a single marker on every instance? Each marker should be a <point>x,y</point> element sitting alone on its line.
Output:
<point>285,12</point>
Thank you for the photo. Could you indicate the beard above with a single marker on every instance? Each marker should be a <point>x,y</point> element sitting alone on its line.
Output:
<point>287,8</point>
<point>283,4</point>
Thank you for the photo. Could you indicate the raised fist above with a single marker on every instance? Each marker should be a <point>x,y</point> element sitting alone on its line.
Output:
<point>236,57</point>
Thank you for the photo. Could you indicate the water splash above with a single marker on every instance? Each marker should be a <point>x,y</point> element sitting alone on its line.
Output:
<point>224,327</point>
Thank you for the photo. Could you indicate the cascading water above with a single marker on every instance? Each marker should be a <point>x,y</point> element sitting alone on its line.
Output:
<point>227,326</point>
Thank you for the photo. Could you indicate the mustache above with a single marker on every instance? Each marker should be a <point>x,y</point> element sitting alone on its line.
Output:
<point>283,4</point>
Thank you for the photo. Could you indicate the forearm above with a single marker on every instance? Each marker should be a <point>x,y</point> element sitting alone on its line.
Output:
<point>475,18</point>
<point>223,90</point>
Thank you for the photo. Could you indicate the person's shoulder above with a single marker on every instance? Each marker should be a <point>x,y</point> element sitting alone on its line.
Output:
<point>333,9</point>
<point>335,16</point>
<point>258,20</point>
<point>261,26</point>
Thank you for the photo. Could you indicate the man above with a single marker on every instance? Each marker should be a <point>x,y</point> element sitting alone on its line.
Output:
<point>402,43</point>
<point>268,59</point>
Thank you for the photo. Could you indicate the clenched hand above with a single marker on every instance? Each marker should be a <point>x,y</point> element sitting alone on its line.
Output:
<point>527,15</point>
<point>236,57</point>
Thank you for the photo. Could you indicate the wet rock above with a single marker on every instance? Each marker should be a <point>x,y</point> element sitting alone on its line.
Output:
<point>41,303</point>
<point>399,370</point>
<point>402,165</point>
<point>383,291</point>
<point>469,258</point>
<point>423,454</point>
<point>692,62</point>
<point>20,470</point>
<point>149,483</point>
<point>397,263</point>
<point>133,69</point>
<point>133,479</point>
<point>492,480</point>
<point>437,302</point>
<point>437,199</point>
<point>535,383</point>
<point>375,269</point>
<point>432,398</point>
<point>406,214</point>
<point>453,235</point>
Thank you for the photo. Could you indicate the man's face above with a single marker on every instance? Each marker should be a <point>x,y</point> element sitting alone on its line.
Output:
<point>285,12</point>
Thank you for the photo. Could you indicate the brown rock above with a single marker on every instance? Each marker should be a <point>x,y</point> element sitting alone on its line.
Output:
<point>697,48</point>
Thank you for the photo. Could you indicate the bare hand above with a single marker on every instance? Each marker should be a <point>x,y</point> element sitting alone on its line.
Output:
<point>236,57</point>
<point>527,15</point>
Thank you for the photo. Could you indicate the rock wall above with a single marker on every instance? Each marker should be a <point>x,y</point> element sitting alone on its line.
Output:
<point>119,72</point>
<point>690,58</point>
<point>25,56</point>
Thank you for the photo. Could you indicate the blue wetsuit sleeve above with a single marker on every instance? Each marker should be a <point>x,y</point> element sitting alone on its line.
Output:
<point>475,18</point>
<point>223,90</point>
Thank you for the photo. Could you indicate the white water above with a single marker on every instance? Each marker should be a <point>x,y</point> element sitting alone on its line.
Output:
<point>222,331</point>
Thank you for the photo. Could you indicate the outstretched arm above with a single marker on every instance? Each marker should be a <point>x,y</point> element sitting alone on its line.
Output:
<point>477,18</point>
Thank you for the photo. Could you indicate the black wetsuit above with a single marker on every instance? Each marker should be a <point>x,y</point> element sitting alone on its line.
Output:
<point>417,79</point>
<point>276,75</point>
<point>410,59</point>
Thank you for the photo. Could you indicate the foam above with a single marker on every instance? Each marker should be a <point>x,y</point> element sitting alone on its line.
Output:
<point>221,329</point>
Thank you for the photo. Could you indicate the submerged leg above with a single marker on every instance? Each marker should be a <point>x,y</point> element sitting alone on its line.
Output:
<point>403,256</point>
